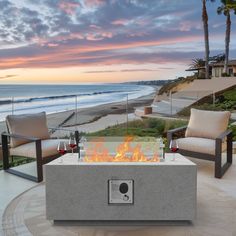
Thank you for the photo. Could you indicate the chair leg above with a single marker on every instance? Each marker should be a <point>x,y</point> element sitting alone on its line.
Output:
<point>230,148</point>
<point>77,138</point>
<point>218,159</point>
<point>5,152</point>
<point>218,173</point>
<point>39,161</point>
<point>219,169</point>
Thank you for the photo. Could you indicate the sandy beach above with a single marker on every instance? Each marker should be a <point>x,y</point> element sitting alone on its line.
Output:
<point>94,118</point>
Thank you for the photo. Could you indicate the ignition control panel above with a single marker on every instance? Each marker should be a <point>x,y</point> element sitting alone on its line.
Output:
<point>120,191</point>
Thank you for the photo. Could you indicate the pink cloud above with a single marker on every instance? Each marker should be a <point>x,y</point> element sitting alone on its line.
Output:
<point>94,3</point>
<point>68,7</point>
<point>137,21</point>
<point>120,22</point>
<point>98,36</point>
<point>95,27</point>
<point>94,54</point>
<point>39,41</point>
<point>52,45</point>
<point>107,34</point>
<point>93,37</point>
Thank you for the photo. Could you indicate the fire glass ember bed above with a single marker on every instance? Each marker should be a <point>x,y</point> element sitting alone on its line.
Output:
<point>116,181</point>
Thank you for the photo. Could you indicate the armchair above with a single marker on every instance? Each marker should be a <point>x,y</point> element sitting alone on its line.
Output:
<point>29,137</point>
<point>206,136</point>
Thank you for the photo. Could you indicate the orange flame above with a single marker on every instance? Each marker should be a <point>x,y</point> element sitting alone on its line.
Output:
<point>124,153</point>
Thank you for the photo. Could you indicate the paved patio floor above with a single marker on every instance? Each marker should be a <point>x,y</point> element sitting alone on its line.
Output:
<point>216,210</point>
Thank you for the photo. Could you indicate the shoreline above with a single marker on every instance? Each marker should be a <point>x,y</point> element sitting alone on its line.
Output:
<point>85,116</point>
<point>99,117</point>
<point>65,98</point>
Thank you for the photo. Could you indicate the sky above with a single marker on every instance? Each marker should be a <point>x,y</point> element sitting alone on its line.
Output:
<point>97,41</point>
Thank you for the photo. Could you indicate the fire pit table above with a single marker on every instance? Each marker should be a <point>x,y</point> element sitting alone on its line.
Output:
<point>79,190</point>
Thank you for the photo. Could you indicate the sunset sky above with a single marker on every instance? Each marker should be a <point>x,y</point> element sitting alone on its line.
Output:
<point>74,41</point>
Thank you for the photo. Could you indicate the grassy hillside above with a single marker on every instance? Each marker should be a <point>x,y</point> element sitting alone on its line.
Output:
<point>146,127</point>
<point>149,127</point>
<point>176,84</point>
<point>224,100</point>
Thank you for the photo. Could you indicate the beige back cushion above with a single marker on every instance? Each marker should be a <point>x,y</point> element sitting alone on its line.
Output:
<point>207,124</point>
<point>33,125</point>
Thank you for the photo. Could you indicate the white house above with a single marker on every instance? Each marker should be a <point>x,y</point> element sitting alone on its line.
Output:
<point>217,69</point>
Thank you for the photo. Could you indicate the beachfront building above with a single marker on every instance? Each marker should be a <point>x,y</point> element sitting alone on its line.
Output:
<point>217,69</point>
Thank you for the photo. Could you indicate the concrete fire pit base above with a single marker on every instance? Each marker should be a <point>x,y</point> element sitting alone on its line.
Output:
<point>164,191</point>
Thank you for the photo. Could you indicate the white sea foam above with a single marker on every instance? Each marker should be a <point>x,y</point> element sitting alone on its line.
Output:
<point>51,99</point>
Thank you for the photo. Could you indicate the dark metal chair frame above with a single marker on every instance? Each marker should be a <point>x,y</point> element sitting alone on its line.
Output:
<point>39,160</point>
<point>217,158</point>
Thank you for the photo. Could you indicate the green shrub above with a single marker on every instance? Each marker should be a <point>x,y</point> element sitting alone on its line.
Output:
<point>224,101</point>
<point>230,95</point>
<point>233,128</point>
<point>148,127</point>
<point>157,124</point>
<point>225,75</point>
<point>210,107</point>
<point>174,124</point>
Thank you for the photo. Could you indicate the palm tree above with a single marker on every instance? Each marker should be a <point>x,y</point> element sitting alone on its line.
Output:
<point>197,63</point>
<point>217,58</point>
<point>206,36</point>
<point>226,10</point>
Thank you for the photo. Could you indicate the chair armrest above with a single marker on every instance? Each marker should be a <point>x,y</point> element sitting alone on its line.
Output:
<point>70,130</point>
<point>5,148</point>
<point>20,136</point>
<point>58,128</point>
<point>172,131</point>
<point>224,134</point>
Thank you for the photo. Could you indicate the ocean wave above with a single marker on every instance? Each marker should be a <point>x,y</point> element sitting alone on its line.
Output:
<point>33,99</point>
<point>59,103</point>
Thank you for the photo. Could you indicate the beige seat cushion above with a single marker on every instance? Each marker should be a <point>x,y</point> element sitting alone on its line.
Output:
<point>201,145</point>
<point>33,125</point>
<point>207,124</point>
<point>49,148</point>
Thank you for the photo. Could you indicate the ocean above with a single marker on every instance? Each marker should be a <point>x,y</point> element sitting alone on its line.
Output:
<point>22,99</point>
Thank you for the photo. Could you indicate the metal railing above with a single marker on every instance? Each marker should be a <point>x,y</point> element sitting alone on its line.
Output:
<point>66,111</point>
